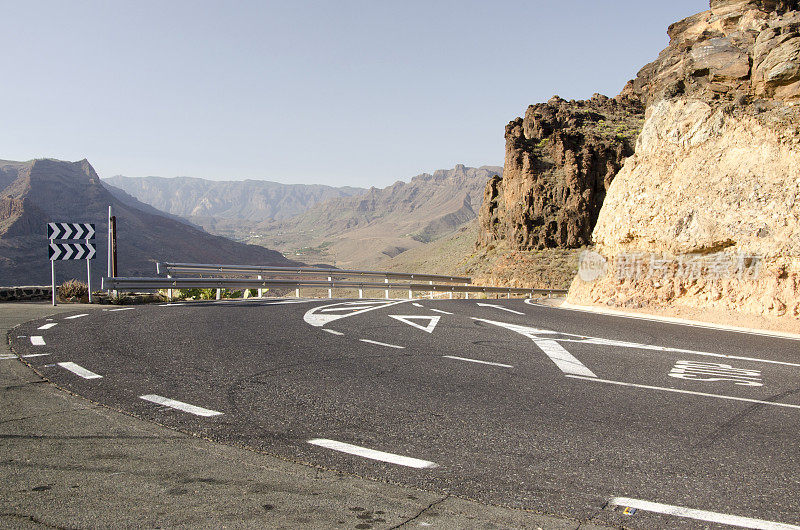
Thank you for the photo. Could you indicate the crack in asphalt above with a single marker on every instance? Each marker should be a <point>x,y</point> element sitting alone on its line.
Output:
<point>431,505</point>
<point>43,415</point>
<point>33,519</point>
<point>727,426</point>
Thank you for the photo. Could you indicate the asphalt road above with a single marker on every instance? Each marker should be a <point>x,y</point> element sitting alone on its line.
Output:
<point>558,411</point>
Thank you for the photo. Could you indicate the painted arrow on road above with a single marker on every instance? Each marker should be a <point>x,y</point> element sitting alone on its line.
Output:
<point>565,361</point>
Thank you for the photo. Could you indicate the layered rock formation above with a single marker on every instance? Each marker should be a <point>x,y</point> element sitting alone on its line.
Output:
<point>40,191</point>
<point>560,159</point>
<point>707,211</point>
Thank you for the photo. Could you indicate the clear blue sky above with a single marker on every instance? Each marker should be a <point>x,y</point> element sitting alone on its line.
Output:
<point>340,92</point>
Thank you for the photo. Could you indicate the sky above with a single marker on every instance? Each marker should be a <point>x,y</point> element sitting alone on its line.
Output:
<point>344,92</point>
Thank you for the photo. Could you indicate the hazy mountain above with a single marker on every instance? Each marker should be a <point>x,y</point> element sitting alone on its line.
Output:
<point>205,202</point>
<point>40,191</point>
<point>362,230</point>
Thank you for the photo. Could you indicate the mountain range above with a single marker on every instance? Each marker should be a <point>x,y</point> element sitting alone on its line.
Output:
<point>39,191</point>
<point>227,207</point>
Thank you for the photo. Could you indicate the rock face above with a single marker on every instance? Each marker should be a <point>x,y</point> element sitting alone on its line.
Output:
<point>45,190</point>
<point>560,159</point>
<point>707,211</point>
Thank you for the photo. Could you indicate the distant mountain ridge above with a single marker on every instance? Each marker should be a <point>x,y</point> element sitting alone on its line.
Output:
<point>199,199</point>
<point>39,191</point>
<point>383,222</point>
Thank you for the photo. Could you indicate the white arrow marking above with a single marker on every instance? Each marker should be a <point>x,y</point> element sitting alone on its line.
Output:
<point>561,357</point>
<point>317,317</point>
<point>68,250</point>
<point>407,319</point>
<point>701,515</point>
<point>501,307</point>
<point>56,251</point>
<point>48,326</point>
<point>372,453</point>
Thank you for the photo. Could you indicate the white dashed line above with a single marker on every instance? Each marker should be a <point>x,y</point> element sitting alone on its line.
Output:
<point>442,312</point>
<point>373,454</point>
<point>691,392</point>
<point>501,307</point>
<point>180,405</point>
<point>416,304</point>
<point>121,309</point>
<point>383,344</point>
<point>170,305</point>
<point>80,370</point>
<point>48,326</point>
<point>333,332</point>
<point>37,340</point>
<point>7,356</point>
<point>701,515</point>
<point>77,316</point>
<point>476,361</point>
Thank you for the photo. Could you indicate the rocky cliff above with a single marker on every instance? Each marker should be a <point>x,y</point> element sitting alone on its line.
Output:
<point>706,214</point>
<point>560,159</point>
<point>45,190</point>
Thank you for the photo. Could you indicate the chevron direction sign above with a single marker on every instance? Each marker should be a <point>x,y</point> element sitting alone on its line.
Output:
<point>70,231</point>
<point>65,251</point>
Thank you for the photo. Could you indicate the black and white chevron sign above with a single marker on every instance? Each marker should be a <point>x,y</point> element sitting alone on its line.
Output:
<point>70,231</point>
<point>64,251</point>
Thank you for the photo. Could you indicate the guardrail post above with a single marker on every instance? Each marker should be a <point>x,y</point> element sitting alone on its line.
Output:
<point>330,291</point>
<point>451,295</point>
<point>431,295</point>
<point>297,292</point>
<point>386,280</point>
<point>169,291</point>
<point>466,293</point>
<point>360,292</point>
<point>509,293</point>
<point>410,294</point>
<point>260,290</point>
<point>219,294</point>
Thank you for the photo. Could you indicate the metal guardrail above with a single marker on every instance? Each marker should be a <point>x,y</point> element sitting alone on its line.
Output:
<point>172,269</point>
<point>126,284</point>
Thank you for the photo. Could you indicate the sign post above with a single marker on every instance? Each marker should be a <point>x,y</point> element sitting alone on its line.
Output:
<point>69,241</point>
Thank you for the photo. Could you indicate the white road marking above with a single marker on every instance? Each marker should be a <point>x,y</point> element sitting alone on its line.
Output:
<point>416,304</point>
<point>476,361</point>
<point>501,307</point>
<point>319,316</point>
<point>679,321</point>
<point>442,312</point>
<point>408,319</point>
<point>332,332</point>
<point>701,515</point>
<point>691,392</point>
<point>37,340</point>
<point>534,333</point>
<point>565,361</point>
<point>372,454</point>
<point>383,344</point>
<point>715,372</point>
<point>80,370</point>
<point>180,405</point>
<point>6,357</point>
<point>77,316</point>
<point>121,309</point>
<point>170,305</point>
<point>48,326</point>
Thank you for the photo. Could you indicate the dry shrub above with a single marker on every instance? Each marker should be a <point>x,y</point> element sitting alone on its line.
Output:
<point>73,291</point>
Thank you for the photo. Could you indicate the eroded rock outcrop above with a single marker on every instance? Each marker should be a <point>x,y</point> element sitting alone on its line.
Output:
<point>560,159</point>
<point>706,214</point>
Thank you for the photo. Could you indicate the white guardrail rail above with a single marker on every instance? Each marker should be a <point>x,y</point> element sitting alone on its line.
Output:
<point>235,277</point>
